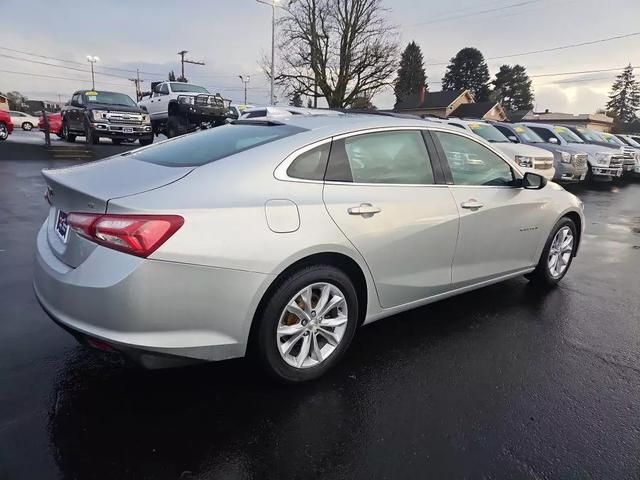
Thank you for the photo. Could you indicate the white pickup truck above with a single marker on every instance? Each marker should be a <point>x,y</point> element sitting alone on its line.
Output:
<point>176,108</point>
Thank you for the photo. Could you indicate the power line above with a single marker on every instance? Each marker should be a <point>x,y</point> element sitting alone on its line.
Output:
<point>552,49</point>
<point>60,66</point>
<point>579,72</point>
<point>76,62</point>
<point>59,78</point>
<point>471,14</point>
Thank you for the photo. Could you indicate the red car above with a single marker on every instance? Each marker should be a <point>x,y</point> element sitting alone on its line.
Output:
<point>55,123</point>
<point>6,125</point>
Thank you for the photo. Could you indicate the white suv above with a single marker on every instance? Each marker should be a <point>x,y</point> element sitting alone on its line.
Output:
<point>524,155</point>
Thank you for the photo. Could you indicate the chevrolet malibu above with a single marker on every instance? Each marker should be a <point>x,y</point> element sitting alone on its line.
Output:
<point>278,239</point>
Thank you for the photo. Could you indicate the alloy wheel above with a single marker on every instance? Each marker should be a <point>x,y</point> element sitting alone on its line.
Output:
<point>312,325</point>
<point>4,133</point>
<point>560,252</point>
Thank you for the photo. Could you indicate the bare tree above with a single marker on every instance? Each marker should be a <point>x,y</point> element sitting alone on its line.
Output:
<point>336,49</point>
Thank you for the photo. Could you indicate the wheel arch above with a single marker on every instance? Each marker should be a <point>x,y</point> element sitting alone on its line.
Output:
<point>339,260</point>
<point>577,219</point>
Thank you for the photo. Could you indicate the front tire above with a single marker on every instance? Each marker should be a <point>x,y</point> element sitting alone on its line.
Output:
<point>4,132</point>
<point>176,126</point>
<point>69,137</point>
<point>307,324</point>
<point>146,141</point>
<point>90,137</point>
<point>557,254</point>
<point>26,126</point>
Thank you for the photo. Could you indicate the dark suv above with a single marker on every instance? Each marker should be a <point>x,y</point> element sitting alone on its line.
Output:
<point>95,114</point>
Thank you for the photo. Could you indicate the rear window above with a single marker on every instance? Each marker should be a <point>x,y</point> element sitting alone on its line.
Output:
<point>205,147</point>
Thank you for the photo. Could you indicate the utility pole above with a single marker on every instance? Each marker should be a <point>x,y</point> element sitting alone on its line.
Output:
<point>92,59</point>
<point>137,82</point>
<point>182,53</point>
<point>246,81</point>
<point>273,4</point>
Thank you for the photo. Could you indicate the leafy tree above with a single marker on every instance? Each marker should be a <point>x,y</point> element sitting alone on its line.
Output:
<point>411,74</point>
<point>624,99</point>
<point>363,102</point>
<point>16,100</point>
<point>295,100</point>
<point>345,47</point>
<point>468,70</point>
<point>512,87</point>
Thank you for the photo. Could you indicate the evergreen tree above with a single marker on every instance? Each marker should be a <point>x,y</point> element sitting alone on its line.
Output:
<point>172,76</point>
<point>411,75</point>
<point>512,87</point>
<point>468,70</point>
<point>295,100</point>
<point>624,99</point>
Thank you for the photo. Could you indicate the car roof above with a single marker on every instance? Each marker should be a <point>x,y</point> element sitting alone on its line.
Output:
<point>328,125</point>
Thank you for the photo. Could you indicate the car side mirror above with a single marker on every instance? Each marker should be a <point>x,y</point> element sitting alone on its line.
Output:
<point>513,138</point>
<point>533,181</point>
<point>553,140</point>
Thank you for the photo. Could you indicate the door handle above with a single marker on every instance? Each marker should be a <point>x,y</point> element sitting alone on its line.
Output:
<point>472,204</point>
<point>365,209</point>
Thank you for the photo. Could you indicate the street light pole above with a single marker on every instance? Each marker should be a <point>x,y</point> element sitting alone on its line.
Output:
<point>273,5</point>
<point>246,81</point>
<point>92,59</point>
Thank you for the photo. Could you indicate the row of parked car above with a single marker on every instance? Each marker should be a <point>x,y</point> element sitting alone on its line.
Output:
<point>562,153</point>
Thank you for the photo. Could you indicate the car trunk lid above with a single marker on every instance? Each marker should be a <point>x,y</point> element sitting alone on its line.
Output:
<point>88,188</point>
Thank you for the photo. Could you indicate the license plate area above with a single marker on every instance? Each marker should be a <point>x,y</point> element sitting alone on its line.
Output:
<point>62,226</point>
<point>127,130</point>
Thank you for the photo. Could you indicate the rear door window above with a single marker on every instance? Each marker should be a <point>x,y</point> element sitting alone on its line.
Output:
<point>398,157</point>
<point>205,147</point>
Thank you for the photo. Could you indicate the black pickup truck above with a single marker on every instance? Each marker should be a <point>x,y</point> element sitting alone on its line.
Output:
<point>97,114</point>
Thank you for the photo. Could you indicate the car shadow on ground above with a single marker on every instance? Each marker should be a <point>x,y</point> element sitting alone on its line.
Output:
<point>225,420</point>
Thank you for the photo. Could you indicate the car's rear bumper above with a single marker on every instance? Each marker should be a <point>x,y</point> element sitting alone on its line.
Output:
<point>149,309</point>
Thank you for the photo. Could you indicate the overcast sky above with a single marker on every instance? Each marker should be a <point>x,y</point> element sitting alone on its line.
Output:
<point>232,35</point>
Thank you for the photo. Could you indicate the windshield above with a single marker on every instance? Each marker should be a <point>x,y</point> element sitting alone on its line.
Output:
<point>179,87</point>
<point>607,137</point>
<point>528,135</point>
<point>109,98</point>
<point>488,132</point>
<point>567,135</point>
<point>210,145</point>
<point>590,135</point>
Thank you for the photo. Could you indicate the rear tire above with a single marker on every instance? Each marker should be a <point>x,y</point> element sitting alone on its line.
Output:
<point>146,141</point>
<point>325,344</point>
<point>176,126</point>
<point>4,132</point>
<point>560,245</point>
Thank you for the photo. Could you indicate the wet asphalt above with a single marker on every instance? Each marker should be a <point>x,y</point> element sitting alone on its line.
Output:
<point>505,382</point>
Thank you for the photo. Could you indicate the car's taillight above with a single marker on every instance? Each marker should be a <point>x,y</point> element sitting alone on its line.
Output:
<point>138,235</point>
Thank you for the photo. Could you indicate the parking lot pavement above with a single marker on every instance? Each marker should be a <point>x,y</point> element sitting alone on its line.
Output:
<point>29,146</point>
<point>503,382</point>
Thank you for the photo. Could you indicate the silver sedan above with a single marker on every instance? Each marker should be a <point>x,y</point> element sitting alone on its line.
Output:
<point>279,239</point>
